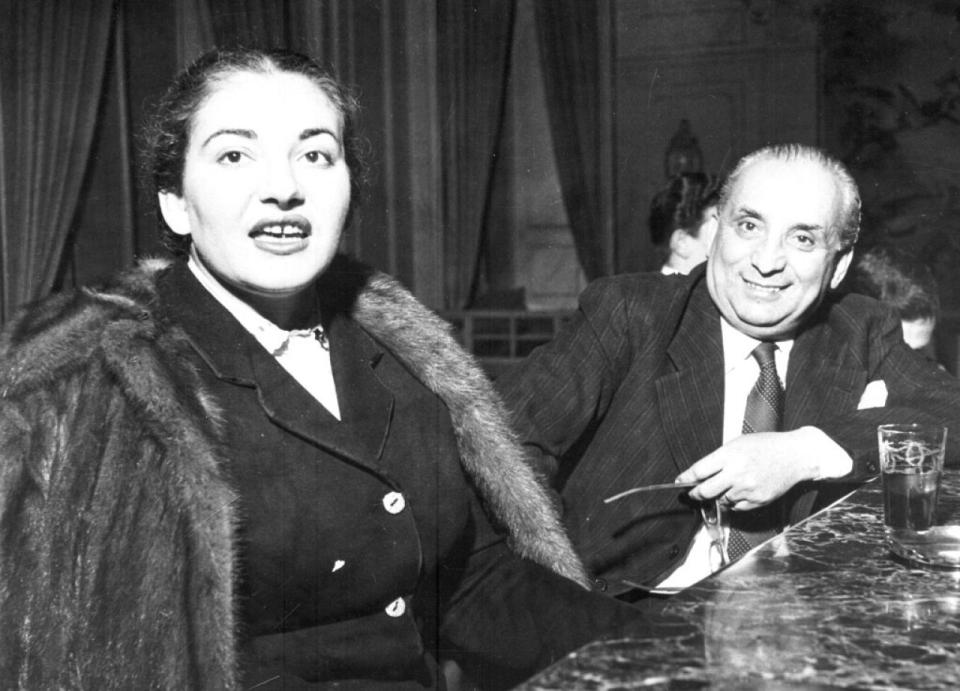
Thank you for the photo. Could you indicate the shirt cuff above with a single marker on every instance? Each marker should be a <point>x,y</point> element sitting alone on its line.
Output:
<point>832,460</point>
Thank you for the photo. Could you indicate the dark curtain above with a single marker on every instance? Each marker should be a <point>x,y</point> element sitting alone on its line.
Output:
<point>474,52</point>
<point>250,23</point>
<point>54,57</point>
<point>569,41</point>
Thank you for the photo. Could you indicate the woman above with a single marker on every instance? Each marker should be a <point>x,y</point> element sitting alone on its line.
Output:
<point>679,221</point>
<point>265,465</point>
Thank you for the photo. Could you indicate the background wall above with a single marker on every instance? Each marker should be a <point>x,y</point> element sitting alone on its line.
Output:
<point>874,81</point>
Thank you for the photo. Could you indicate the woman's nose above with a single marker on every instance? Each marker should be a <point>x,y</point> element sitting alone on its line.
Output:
<point>280,185</point>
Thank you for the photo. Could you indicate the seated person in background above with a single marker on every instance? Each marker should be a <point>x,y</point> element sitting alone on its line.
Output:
<point>263,465</point>
<point>898,279</point>
<point>749,377</point>
<point>679,221</point>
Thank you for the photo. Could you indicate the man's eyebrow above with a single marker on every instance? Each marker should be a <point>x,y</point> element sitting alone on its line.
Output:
<point>747,211</point>
<point>247,134</point>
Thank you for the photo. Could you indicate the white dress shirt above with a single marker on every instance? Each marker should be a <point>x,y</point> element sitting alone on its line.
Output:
<point>740,374</point>
<point>304,353</point>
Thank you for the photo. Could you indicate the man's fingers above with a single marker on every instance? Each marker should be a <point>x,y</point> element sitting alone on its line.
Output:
<point>710,488</point>
<point>706,467</point>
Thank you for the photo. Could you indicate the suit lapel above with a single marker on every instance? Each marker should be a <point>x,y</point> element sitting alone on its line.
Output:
<point>691,396</point>
<point>820,383</point>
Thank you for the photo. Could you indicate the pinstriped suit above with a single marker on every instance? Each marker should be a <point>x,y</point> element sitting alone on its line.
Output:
<point>631,393</point>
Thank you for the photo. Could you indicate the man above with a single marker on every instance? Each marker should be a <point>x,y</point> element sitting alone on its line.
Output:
<point>679,221</point>
<point>652,381</point>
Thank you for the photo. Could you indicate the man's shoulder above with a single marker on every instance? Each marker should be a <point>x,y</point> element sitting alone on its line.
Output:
<point>855,312</point>
<point>650,291</point>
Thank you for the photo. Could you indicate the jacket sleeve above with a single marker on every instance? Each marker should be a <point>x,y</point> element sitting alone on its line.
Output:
<point>566,386</point>
<point>508,617</point>
<point>918,391</point>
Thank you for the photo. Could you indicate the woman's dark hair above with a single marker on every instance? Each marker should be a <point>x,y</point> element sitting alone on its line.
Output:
<point>680,205</point>
<point>167,133</point>
<point>897,278</point>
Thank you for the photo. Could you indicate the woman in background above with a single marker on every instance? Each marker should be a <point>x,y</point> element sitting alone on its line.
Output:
<point>263,464</point>
<point>679,221</point>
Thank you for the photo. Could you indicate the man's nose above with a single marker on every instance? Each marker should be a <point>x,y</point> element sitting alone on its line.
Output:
<point>768,253</point>
<point>280,185</point>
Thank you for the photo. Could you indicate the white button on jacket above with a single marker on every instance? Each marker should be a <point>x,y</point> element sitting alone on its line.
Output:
<point>394,502</point>
<point>396,608</point>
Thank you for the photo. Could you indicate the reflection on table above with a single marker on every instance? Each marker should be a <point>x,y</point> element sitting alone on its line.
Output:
<point>822,606</point>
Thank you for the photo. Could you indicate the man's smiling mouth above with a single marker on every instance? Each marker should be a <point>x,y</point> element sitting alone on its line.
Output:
<point>769,289</point>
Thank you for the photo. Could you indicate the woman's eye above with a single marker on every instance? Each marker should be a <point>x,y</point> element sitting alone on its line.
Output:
<point>231,157</point>
<point>318,157</point>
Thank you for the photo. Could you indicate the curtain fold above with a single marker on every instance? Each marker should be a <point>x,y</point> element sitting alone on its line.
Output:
<point>51,80</point>
<point>251,23</point>
<point>474,51</point>
<point>194,32</point>
<point>568,33</point>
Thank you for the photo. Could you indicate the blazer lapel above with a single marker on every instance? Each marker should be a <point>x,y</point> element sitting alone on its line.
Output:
<point>365,404</point>
<point>235,356</point>
<point>691,396</point>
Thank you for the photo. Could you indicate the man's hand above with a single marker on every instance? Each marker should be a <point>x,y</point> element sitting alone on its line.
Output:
<point>754,469</point>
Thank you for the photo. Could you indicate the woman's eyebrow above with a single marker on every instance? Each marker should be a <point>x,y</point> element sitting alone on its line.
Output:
<point>248,134</point>
<point>315,131</point>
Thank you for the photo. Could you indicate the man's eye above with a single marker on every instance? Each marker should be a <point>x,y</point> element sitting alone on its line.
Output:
<point>747,226</point>
<point>804,240</point>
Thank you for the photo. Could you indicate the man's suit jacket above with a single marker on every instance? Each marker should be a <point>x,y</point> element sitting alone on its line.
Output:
<point>631,393</point>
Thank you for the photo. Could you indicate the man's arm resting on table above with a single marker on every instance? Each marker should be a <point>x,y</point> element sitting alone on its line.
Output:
<point>755,469</point>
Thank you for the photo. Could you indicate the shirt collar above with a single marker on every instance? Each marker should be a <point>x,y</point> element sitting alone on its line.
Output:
<point>737,347</point>
<point>268,334</point>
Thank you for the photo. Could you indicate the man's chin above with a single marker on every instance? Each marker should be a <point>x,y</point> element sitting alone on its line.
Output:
<point>765,330</point>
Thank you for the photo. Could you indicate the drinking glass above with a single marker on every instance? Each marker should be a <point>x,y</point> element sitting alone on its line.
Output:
<point>712,516</point>
<point>911,463</point>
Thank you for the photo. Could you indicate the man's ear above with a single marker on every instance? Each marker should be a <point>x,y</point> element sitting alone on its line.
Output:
<point>843,263</point>
<point>173,208</point>
<point>711,228</point>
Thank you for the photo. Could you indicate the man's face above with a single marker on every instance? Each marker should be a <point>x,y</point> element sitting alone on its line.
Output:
<point>266,187</point>
<point>776,250</point>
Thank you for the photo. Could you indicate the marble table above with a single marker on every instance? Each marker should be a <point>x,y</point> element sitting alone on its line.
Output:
<point>822,606</point>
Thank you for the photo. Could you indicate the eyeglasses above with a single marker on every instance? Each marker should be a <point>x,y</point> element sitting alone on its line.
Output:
<point>713,521</point>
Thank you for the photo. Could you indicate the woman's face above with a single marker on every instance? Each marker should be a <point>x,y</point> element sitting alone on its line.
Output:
<point>266,187</point>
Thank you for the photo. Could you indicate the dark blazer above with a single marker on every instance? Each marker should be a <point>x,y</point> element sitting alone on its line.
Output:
<point>631,393</point>
<point>324,553</point>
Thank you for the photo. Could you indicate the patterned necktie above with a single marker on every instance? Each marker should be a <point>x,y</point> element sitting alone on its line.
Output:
<point>764,413</point>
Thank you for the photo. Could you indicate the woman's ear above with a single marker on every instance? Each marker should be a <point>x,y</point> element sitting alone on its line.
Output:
<point>680,243</point>
<point>173,208</point>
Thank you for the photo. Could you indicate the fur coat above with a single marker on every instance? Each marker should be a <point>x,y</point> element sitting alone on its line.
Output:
<point>116,525</point>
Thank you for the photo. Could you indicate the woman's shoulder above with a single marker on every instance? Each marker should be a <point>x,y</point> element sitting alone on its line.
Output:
<point>67,329</point>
